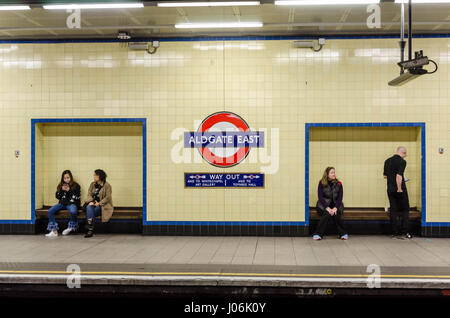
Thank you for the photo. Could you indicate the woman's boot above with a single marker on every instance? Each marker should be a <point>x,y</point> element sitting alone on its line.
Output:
<point>90,228</point>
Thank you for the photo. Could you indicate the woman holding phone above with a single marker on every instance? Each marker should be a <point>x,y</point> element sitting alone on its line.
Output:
<point>68,195</point>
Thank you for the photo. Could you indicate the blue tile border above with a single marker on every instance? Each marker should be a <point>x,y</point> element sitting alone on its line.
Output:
<point>144,171</point>
<point>34,121</point>
<point>33,171</point>
<point>227,38</point>
<point>380,124</point>
<point>16,221</point>
<point>307,173</point>
<point>431,224</point>
<point>233,223</point>
<point>424,180</point>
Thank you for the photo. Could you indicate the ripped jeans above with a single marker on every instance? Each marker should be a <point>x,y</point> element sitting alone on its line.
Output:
<point>73,222</point>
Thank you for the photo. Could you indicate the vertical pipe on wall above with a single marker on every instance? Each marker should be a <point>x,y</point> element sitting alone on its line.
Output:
<point>409,30</point>
<point>402,42</point>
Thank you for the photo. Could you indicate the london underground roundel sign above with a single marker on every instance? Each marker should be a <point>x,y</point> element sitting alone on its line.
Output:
<point>224,139</point>
<point>223,156</point>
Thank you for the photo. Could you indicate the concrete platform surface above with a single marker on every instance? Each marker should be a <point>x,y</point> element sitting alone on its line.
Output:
<point>227,261</point>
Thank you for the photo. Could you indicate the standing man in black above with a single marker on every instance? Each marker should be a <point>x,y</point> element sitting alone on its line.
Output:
<point>394,168</point>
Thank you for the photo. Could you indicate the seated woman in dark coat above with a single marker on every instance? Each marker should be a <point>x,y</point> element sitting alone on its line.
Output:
<point>330,205</point>
<point>68,195</point>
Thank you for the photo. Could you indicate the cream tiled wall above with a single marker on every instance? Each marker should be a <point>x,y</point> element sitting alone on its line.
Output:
<point>268,83</point>
<point>82,148</point>
<point>358,155</point>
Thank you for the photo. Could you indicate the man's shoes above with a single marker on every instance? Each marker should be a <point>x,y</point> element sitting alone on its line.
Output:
<point>407,236</point>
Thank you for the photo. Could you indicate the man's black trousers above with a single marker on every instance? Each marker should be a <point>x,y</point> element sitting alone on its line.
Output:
<point>399,212</point>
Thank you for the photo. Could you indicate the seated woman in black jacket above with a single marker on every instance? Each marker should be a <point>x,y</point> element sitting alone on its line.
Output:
<point>68,195</point>
<point>330,205</point>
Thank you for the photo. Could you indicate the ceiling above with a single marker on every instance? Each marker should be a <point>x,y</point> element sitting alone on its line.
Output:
<point>157,22</point>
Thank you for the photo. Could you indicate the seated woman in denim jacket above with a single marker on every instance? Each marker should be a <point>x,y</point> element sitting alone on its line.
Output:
<point>68,194</point>
<point>330,205</point>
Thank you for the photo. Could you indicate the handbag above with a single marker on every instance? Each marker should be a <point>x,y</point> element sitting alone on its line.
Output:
<point>84,206</point>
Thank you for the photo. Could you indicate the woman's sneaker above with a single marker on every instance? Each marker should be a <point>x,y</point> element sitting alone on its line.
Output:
<point>317,237</point>
<point>52,234</point>
<point>67,231</point>
<point>344,237</point>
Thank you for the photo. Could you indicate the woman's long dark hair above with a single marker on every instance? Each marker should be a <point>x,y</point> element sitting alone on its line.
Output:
<point>101,174</point>
<point>324,179</point>
<point>72,183</point>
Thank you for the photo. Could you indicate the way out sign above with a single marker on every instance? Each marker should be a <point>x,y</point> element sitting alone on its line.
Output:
<point>224,139</point>
<point>224,180</point>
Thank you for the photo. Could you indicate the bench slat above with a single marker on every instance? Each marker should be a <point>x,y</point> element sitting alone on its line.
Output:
<point>119,213</point>
<point>366,214</point>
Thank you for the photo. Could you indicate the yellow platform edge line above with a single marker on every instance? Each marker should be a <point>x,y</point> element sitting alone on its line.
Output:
<point>222,274</point>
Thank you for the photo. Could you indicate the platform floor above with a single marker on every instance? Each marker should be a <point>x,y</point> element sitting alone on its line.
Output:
<point>226,261</point>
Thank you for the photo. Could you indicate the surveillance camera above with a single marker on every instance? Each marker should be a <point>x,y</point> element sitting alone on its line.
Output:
<point>418,61</point>
<point>412,69</point>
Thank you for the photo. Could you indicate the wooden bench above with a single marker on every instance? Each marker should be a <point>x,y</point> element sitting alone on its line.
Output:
<point>119,213</point>
<point>366,214</point>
